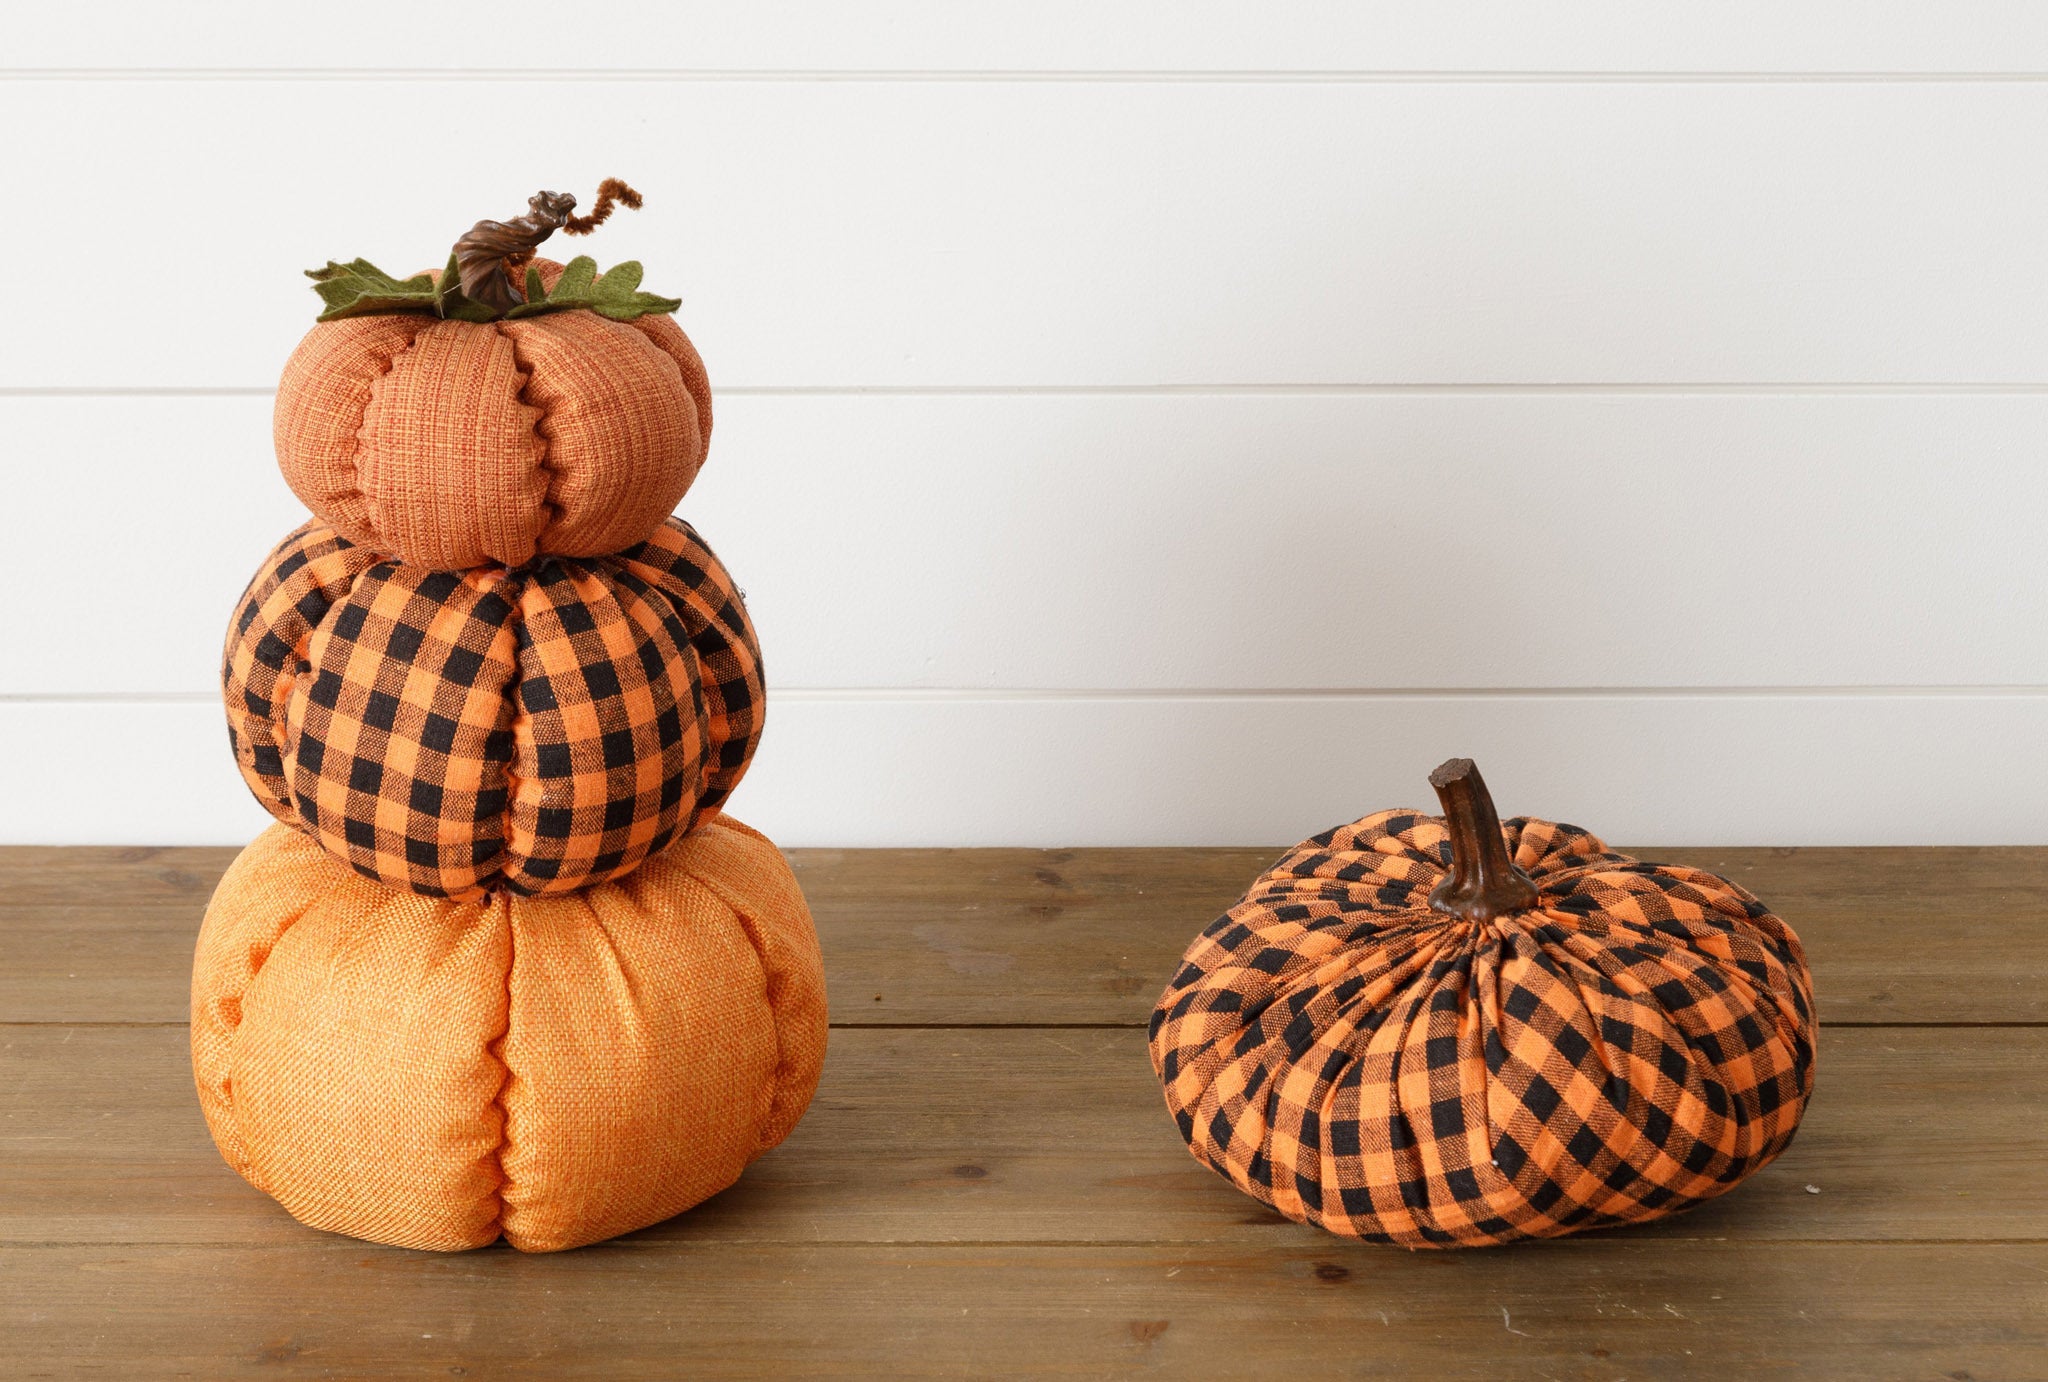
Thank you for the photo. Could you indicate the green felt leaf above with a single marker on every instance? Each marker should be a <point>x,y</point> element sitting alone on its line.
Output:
<point>577,276</point>
<point>360,289</point>
<point>616,295</point>
<point>620,283</point>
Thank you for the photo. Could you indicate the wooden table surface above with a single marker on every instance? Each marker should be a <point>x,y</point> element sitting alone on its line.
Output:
<point>988,1183</point>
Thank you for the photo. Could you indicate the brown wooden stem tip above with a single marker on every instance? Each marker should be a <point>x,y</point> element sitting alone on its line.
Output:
<point>1484,882</point>
<point>491,254</point>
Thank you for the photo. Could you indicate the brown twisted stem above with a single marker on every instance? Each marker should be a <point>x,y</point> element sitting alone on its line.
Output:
<point>488,258</point>
<point>610,192</point>
<point>1484,882</point>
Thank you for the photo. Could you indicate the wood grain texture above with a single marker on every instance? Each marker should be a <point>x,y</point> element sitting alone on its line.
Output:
<point>1006,936</point>
<point>1006,1199</point>
<point>1049,1135</point>
<point>1144,543</point>
<point>1317,1309</point>
<point>1100,234</point>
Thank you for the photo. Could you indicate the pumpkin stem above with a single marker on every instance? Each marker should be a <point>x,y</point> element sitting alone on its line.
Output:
<point>1484,882</point>
<point>492,252</point>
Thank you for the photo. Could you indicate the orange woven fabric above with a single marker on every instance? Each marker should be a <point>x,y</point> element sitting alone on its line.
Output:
<point>456,444</point>
<point>554,1070</point>
<point>537,729</point>
<point>1639,1042</point>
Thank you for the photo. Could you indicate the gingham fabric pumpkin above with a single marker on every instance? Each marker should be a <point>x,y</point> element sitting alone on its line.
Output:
<point>539,729</point>
<point>1445,1032</point>
<point>552,1070</point>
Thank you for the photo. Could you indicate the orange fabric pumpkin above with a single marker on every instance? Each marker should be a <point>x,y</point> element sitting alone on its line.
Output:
<point>454,444</point>
<point>1443,1032</point>
<point>552,1070</point>
<point>537,729</point>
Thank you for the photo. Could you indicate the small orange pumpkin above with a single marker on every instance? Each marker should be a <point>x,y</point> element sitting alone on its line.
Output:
<point>488,436</point>
<point>552,1070</point>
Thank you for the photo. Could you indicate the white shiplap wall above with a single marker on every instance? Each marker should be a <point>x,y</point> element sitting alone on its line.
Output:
<point>1143,423</point>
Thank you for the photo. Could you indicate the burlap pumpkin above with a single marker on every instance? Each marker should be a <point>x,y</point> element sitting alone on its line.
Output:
<point>1444,1032</point>
<point>454,444</point>
<point>555,1070</point>
<point>537,729</point>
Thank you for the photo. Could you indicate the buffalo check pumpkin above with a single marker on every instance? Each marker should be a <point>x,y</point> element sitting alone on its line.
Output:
<point>1407,1033</point>
<point>538,729</point>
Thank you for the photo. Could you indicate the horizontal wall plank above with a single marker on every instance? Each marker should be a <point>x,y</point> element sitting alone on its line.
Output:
<point>1010,936</point>
<point>860,233</point>
<point>326,1308</point>
<point>1056,1135</point>
<point>1066,36</point>
<point>1730,769</point>
<point>1162,542</point>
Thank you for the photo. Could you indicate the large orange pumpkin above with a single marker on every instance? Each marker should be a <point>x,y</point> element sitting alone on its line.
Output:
<point>454,444</point>
<point>539,729</point>
<point>552,1070</point>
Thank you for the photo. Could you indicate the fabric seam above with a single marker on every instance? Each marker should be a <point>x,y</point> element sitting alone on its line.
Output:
<point>352,462</point>
<point>543,464</point>
<point>256,967</point>
<point>496,1050</point>
<point>750,928</point>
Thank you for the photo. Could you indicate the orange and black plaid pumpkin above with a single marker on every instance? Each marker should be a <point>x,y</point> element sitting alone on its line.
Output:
<point>1443,1032</point>
<point>538,729</point>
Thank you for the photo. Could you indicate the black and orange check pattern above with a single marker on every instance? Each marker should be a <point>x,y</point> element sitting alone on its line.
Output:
<point>1638,1043</point>
<point>539,728</point>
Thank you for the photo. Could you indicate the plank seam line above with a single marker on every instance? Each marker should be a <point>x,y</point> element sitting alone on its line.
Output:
<point>972,694</point>
<point>1510,388</point>
<point>2016,1024</point>
<point>1051,76</point>
<point>1322,1245</point>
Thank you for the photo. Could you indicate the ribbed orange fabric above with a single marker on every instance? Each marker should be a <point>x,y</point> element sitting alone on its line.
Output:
<point>555,1070</point>
<point>450,459</point>
<point>459,444</point>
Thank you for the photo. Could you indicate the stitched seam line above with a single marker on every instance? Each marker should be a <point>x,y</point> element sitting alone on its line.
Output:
<point>496,1050</point>
<point>352,461</point>
<point>509,859</point>
<point>750,928</point>
<point>256,964</point>
<point>542,465</point>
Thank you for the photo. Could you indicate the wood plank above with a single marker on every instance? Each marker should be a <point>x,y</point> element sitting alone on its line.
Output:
<point>1053,1135</point>
<point>1319,1309</point>
<point>1316,37</point>
<point>1080,936</point>
<point>1893,935</point>
<point>1144,492</point>
<point>1108,234</point>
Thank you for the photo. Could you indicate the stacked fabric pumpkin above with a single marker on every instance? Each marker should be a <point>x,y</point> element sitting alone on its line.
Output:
<point>502,967</point>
